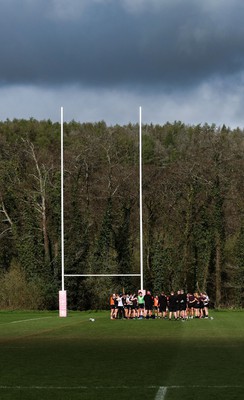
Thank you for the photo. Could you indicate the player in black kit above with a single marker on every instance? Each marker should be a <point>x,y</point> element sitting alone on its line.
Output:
<point>162,304</point>
<point>173,305</point>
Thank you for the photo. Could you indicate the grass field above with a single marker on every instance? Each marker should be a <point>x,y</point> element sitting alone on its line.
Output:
<point>47,357</point>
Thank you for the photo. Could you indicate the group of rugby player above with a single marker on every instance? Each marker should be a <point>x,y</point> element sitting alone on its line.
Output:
<point>173,306</point>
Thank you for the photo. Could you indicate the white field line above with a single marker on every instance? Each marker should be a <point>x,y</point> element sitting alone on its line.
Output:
<point>161,393</point>
<point>22,320</point>
<point>27,320</point>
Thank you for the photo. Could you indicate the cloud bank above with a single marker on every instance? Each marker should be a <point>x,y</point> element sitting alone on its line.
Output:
<point>184,59</point>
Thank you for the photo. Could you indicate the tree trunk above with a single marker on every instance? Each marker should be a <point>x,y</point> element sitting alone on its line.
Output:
<point>41,178</point>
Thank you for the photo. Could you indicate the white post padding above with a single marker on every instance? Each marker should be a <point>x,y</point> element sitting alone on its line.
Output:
<point>62,303</point>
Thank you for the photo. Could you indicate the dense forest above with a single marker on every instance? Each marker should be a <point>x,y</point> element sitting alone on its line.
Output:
<point>193,211</point>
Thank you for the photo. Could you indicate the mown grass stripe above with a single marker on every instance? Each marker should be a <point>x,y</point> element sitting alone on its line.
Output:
<point>161,389</point>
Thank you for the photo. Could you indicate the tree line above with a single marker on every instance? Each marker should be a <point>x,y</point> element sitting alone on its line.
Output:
<point>193,211</point>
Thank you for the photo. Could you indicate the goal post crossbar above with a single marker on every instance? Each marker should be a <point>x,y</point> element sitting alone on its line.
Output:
<point>87,275</point>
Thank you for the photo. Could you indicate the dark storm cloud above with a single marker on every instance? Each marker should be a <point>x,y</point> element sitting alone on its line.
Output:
<point>110,44</point>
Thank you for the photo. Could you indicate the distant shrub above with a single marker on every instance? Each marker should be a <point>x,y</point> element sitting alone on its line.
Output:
<point>17,292</point>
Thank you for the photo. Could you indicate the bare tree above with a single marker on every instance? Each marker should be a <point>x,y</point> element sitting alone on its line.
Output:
<point>40,196</point>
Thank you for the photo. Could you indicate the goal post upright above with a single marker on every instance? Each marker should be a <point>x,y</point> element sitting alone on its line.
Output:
<point>62,194</point>
<point>140,195</point>
<point>62,292</point>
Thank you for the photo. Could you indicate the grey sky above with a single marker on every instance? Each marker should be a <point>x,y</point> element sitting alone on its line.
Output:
<point>102,59</point>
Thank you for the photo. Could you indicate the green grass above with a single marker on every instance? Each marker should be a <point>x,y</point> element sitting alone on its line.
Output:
<point>44,356</point>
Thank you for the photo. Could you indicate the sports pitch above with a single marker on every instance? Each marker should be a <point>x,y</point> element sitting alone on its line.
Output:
<point>47,357</point>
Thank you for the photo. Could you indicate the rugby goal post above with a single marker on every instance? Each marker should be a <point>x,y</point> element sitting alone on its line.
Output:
<point>62,292</point>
